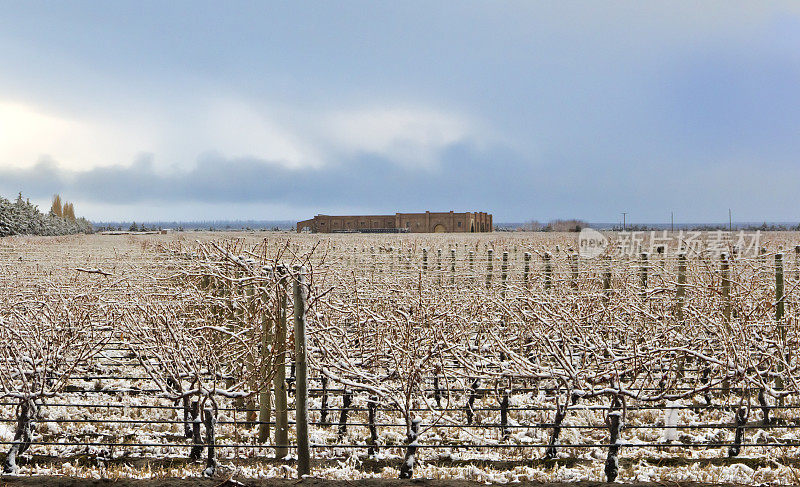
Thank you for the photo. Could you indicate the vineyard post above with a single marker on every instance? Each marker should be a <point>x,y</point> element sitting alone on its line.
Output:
<point>643,273</point>
<point>472,266</point>
<point>264,396</point>
<point>779,296</point>
<point>548,272</point>
<point>250,362</point>
<point>301,371</point>
<point>526,273</point>
<point>279,379</point>
<point>227,292</point>
<point>489,267</point>
<point>574,265</point>
<point>439,266</point>
<point>453,267</point>
<point>504,274</point>
<point>779,318</point>
<point>606,277</point>
<point>680,293</point>
<point>726,286</point>
<point>797,262</point>
<point>424,260</point>
<point>236,289</point>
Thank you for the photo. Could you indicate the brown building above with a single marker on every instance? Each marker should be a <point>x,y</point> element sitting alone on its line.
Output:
<point>400,222</point>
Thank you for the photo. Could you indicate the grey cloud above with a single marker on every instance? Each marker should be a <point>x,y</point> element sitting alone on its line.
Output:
<point>496,180</point>
<point>465,179</point>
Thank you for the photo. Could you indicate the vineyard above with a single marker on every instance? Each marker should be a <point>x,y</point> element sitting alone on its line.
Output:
<point>493,357</point>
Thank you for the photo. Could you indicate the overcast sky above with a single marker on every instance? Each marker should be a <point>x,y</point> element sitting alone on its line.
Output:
<point>281,110</point>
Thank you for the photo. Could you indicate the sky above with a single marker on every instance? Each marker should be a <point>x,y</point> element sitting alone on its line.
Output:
<point>281,110</point>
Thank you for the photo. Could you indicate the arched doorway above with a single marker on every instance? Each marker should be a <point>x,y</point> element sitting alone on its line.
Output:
<point>472,226</point>
<point>439,229</point>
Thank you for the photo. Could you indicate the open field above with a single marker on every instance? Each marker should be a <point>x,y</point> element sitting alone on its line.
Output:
<point>496,357</point>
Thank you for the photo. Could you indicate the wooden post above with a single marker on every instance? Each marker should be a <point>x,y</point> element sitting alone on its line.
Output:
<point>489,267</point>
<point>439,266</point>
<point>527,270</point>
<point>424,260</point>
<point>548,271</point>
<point>643,273</point>
<point>797,262</point>
<point>453,267</point>
<point>472,266</point>
<point>780,299</point>
<point>606,277</point>
<point>250,361</point>
<point>279,379</point>
<point>504,274</point>
<point>301,371</point>
<point>680,292</point>
<point>726,287</point>
<point>574,265</point>
<point>264,398</point>
<point>233,372</point>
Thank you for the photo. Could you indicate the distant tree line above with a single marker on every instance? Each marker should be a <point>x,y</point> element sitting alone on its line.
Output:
<point>573,225</point>
<point>133,227</point>
<point>764,227</point>
<point>21,217</point>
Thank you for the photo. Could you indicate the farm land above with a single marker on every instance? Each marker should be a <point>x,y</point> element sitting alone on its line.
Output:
<point>487,358</point>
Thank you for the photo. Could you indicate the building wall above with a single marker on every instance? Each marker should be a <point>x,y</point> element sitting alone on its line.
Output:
<point>427,222</point>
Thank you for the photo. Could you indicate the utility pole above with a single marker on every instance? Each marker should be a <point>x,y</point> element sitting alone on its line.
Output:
<point>671,221</point>
<point>730,221</point>
<point>624,214</point>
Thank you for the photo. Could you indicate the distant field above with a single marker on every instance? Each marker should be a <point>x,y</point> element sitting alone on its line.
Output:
<point>500,357</point>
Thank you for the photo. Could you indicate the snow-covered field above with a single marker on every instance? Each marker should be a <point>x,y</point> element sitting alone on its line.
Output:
<point>426,328</point>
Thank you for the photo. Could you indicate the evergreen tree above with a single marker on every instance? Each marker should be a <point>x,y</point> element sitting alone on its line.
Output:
<point>24,218</point>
